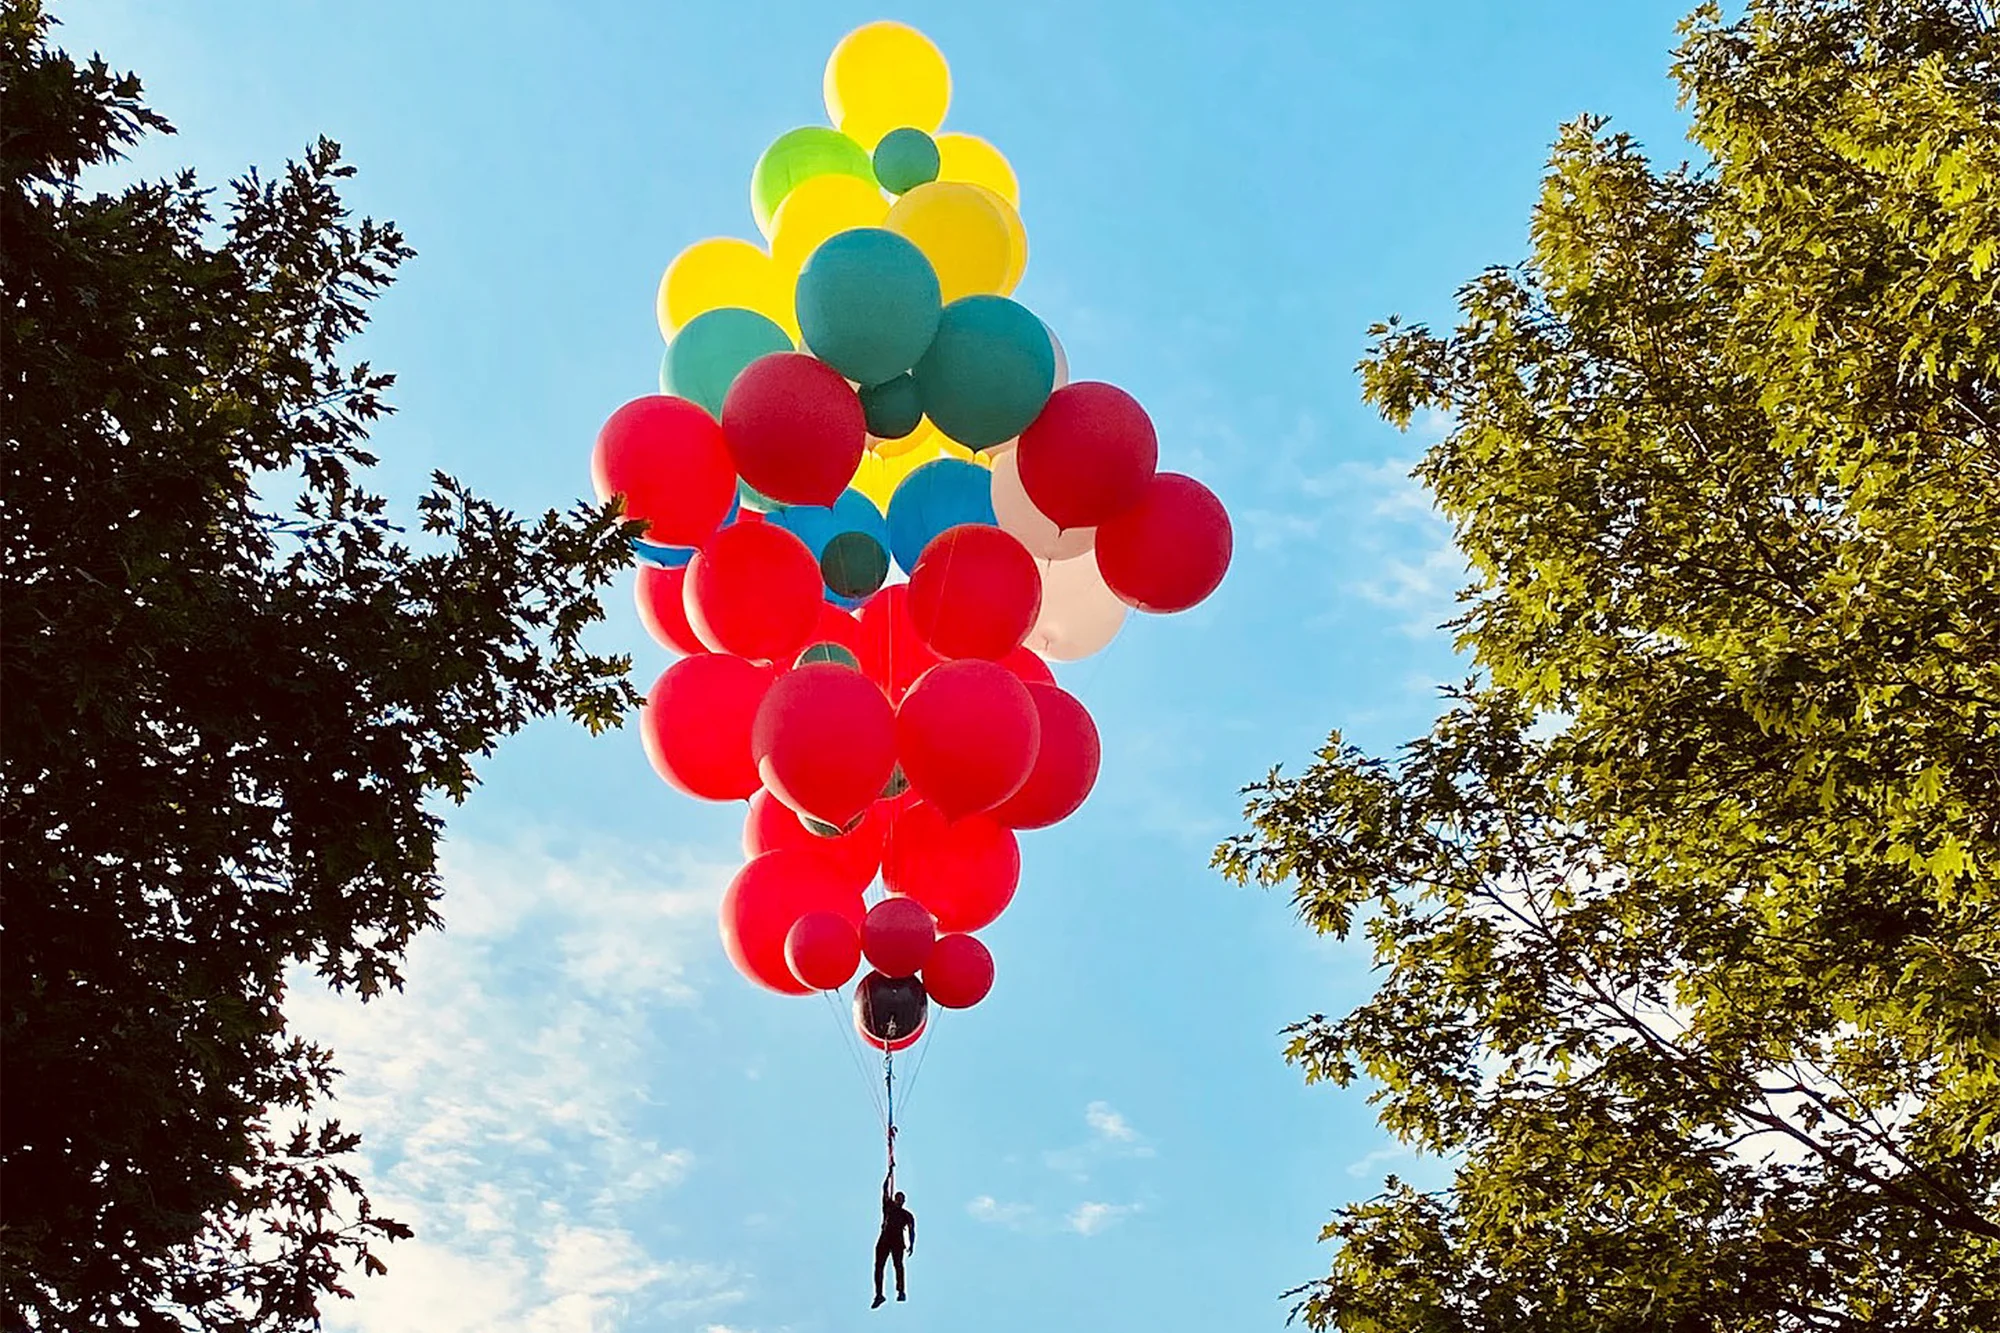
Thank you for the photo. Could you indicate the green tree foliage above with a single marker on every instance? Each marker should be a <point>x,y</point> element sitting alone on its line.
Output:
<point>225,727</point>
<point>1687,911</point>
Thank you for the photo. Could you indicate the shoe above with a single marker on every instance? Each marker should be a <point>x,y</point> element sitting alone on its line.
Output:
<point>901,1297</point>
<point>878,1303</point>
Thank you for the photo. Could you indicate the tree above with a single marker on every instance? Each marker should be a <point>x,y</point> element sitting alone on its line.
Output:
<point>225,725</point>
<point>1687,909</point>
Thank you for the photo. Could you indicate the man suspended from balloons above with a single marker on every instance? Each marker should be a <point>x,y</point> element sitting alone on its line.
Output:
<point>874,508</point>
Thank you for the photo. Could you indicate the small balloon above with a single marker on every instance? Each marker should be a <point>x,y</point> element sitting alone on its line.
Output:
<point>794,429</point>
<point>883,76</point>
<point>1170,550</point>
<point>670,461</point>
<point>905,159</point>
<point>797,156</point>
<point>766,899</point>
<point>868,304</point>
<point>890,1012</point>
<point>823,950</point>
<point>854,564</point>
<point>959,973</point>
<point>661,610</point>
<point>696,725</point>
<point>988,371</point>
<point>893,408</point>
<point>896,936</point>
<point>707,355</point>
<point>1080,614</point>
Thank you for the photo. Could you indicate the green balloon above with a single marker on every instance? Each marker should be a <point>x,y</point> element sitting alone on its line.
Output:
<point>798,155</point>
<point>868,304</point>
<point>751,498</point>
<point>905,159</point>
<point>854,564</point>
<point>828,652</point>
<point>893,407</point>
<point>988,372</point>
<point>705,357</point>
<point>896,785</point>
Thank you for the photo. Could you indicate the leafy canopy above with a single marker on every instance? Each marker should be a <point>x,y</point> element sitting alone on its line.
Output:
<point>225,725</point>
<point>1687,910</point>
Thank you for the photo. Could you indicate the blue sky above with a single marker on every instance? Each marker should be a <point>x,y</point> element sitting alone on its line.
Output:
<point>594,1123</point>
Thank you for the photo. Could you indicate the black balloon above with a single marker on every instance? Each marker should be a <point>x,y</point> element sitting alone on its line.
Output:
<point>890,1008</point>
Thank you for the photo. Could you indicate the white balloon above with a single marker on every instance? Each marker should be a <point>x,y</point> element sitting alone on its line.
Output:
<point>1080,615</point>
<point>1062,357</point>
<point>1017,514</point>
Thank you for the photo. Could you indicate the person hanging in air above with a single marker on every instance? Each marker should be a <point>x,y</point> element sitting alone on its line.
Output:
<point>896,1221</point>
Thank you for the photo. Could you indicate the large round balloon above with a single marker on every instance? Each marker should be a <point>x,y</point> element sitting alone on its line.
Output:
<point>855,855</point>
<point>1080,614</point>
<point>669,460</point>
<point>794,429</point>
<point>1029,666</point>
<point>662,612</point>
<point>1065,763</point>
<point>964,871</point>
<point>889,1012</point>
<point>897,935</point>
<point>940,494</point>
<point>797,156</point>
<point>696,725</point>
<point>966,735</point>
<point>868,304</point>
<point>766,899</point>
<point>892,653</point>
<point>969,234</point>
<point>882,76</point>
<point>819,209</point>
<point>825,741</point>
<point>823,950</point>
<point>1089,456</point>
<point>905,159</point>
<point>967,157</point>
<point>753,591</point>
<point>975,593</point>
<point>1168,551</point>
<point>707,355</point>
<point>718,272</point>
<point>959,973</point>
<point>1015,512</point>
<point>988,372</point>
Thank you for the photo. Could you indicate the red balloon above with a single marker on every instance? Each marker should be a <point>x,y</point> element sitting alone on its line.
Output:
<point>765,900</point>
<point>823,950</point>
<point>795,428</point>
<point>825,741</point>
<point>1088,456</point>
<point>897,935</point>
<point>856,854</point>
<point>837,626</point>
<point>1168,551</point>
<point>1026,663</point>
<point>696,725</point>
<point>967,735</point>
<point>658,592</point>
<point>959,973</point>
<point>975,592</point>
<point>892,653</point>
<point>964,872</point>
<point>1065,765</point>
<point>753,591</point>
<point>670,461</point>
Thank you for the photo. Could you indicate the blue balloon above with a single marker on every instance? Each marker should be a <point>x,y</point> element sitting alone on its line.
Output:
<point>707,355</point>
<point>818,525</point>
<point>988,371</point>
<point>868,304</point>
<point>943,493</point>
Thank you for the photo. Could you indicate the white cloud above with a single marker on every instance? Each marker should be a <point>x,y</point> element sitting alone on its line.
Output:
<point>1366,1165</point>
<point>986,1208</point>
<point>1091,1217</point>
<point>498,1102</point>
<point>1108,1123</point>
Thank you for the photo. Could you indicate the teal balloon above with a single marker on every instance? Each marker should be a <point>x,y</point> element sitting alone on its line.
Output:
<point>893,407</point>
<point>708,354</point>
<point>988,372</point>
<point>849,538</point>
<point>828,652</point>
<point>943,493</point>
<point>853,566</point>
<point>905,159</point>
<point>749,497</point>
<point>868,304</point>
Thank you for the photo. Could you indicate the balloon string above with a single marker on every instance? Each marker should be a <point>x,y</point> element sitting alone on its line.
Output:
<point>853,1049</point>
<point>923,1054</point>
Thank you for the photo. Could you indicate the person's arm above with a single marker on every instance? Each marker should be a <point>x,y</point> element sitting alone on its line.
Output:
<point>913,1230</point>
<point>889,1185</point>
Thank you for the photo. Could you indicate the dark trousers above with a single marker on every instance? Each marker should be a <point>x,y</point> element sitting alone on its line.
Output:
<point>888,1248</point>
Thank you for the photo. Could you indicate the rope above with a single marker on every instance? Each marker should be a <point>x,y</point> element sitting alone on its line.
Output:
<point>923,1054</point>
<point>841,1021</point>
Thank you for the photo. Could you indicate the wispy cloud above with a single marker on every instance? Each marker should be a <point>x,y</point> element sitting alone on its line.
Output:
<point>1365,1166</point>
<point>1111,1135</point>
<point>986,1208</point>
<point>497,1102</point>
<point>1109,1123</point>
<point>1087,1219</point>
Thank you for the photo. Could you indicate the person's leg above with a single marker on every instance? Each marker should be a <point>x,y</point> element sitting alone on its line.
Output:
<point>898,1253</point>
<point>881,1259</point>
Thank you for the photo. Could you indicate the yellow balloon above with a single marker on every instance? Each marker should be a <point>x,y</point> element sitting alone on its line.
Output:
<point>723,271</point>
<point>882,77</point>
<point>1018,231</point>
<point>964,230</point>
<point>923,435</point>
<point>818,208</point>
<point>969,158</point>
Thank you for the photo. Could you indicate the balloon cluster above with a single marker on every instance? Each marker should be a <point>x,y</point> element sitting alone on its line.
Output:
<point>875,508</point>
